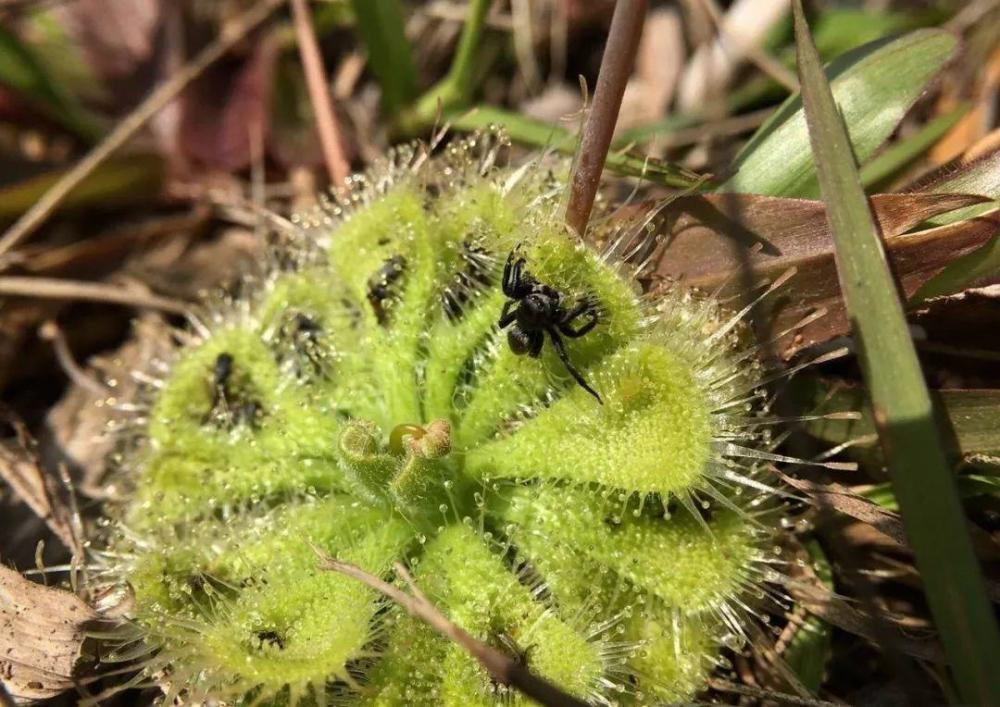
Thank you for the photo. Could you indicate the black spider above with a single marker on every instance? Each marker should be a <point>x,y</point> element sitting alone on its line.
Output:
<point>536,309</point>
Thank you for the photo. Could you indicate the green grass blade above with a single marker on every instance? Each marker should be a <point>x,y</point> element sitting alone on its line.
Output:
<point>537,133</point>
<point>923,484</point>
<point>875,85</point>
<point>979,177</point>
<point>21,70</point>
<point>886,165</point>
<point>380,24</point>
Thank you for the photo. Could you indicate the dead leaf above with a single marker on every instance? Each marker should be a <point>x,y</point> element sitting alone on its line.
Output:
<point>225,105</point>
<point>715,237</point>
<point>42,636</point>
<point>820,601</point>
<point>20,468</point>
<point>77,427</point>
<point>844,500</point>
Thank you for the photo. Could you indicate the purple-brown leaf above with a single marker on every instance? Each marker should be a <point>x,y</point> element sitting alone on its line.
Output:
<point>726,241</point>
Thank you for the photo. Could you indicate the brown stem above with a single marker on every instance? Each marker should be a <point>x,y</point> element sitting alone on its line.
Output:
<point>501,668</point>
<point>616,67</point>
<point>319,95</point>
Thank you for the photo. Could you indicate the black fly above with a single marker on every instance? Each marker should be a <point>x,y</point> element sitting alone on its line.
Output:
<point>381,285</point>
<point>224,400</point>
<point>535,309</point>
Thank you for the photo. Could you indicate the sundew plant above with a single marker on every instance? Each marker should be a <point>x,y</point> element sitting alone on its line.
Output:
<point>360,398</point>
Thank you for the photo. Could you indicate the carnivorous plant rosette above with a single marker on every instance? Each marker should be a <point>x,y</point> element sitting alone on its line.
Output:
<point>438,373</point>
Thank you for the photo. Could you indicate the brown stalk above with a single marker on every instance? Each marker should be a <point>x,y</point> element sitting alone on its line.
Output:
<point>501,668</point>
<point>319,95</point>
<point>616,67</point>
<point>52,288</point>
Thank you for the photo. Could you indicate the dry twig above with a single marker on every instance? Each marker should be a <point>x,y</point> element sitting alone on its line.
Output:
<point>52,288</point>
<point>501,668</point>
<point>319,95</point>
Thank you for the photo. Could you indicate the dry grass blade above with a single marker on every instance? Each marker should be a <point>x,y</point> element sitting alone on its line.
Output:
<point>921,479</point>
<point>820,601</point>
<point>20,468</point>
<point>123,132</point>
<point>501,668</point>
<point>319,95</point>
<point>50,288</point>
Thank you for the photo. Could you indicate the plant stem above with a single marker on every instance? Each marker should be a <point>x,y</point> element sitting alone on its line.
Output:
<point>319,95</point>
<point>454,91</point>
<point>921,479</point>
<point>616,67</point>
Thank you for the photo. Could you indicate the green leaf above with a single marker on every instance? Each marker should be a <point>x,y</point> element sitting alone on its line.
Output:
<point>979,177</point>
<point>921,479</point>
<point>22,71</point>
<point>120,180</point>
<point>874,86</point>
<point>381,26</point>
<point>882,168</point>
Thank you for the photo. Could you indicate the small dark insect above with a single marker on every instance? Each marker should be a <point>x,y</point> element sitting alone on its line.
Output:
<point>222,371</point>
<point>535,309</point>
<point>270,638</point>
<point>223,398</point>
<point>476,275</point>
<point>305,335</point>
<point>380,285</point>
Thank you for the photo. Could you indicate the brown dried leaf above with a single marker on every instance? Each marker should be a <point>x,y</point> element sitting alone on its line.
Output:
<point>716,237</point>
<point>842,499</point>
<point>77,427</point>
<point>225,107</point>
<point>42,636</point>
<point>820,601</point>
<point>20,468</point>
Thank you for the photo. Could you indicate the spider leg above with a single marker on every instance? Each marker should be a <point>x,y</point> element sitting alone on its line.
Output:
<point>507,314</point>
<point>564,357</point>
<point>537,341</point>
<point>584,307</point>
<point>507,282</point>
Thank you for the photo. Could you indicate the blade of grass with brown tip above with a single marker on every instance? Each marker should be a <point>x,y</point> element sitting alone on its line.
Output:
<point>920,476</point>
